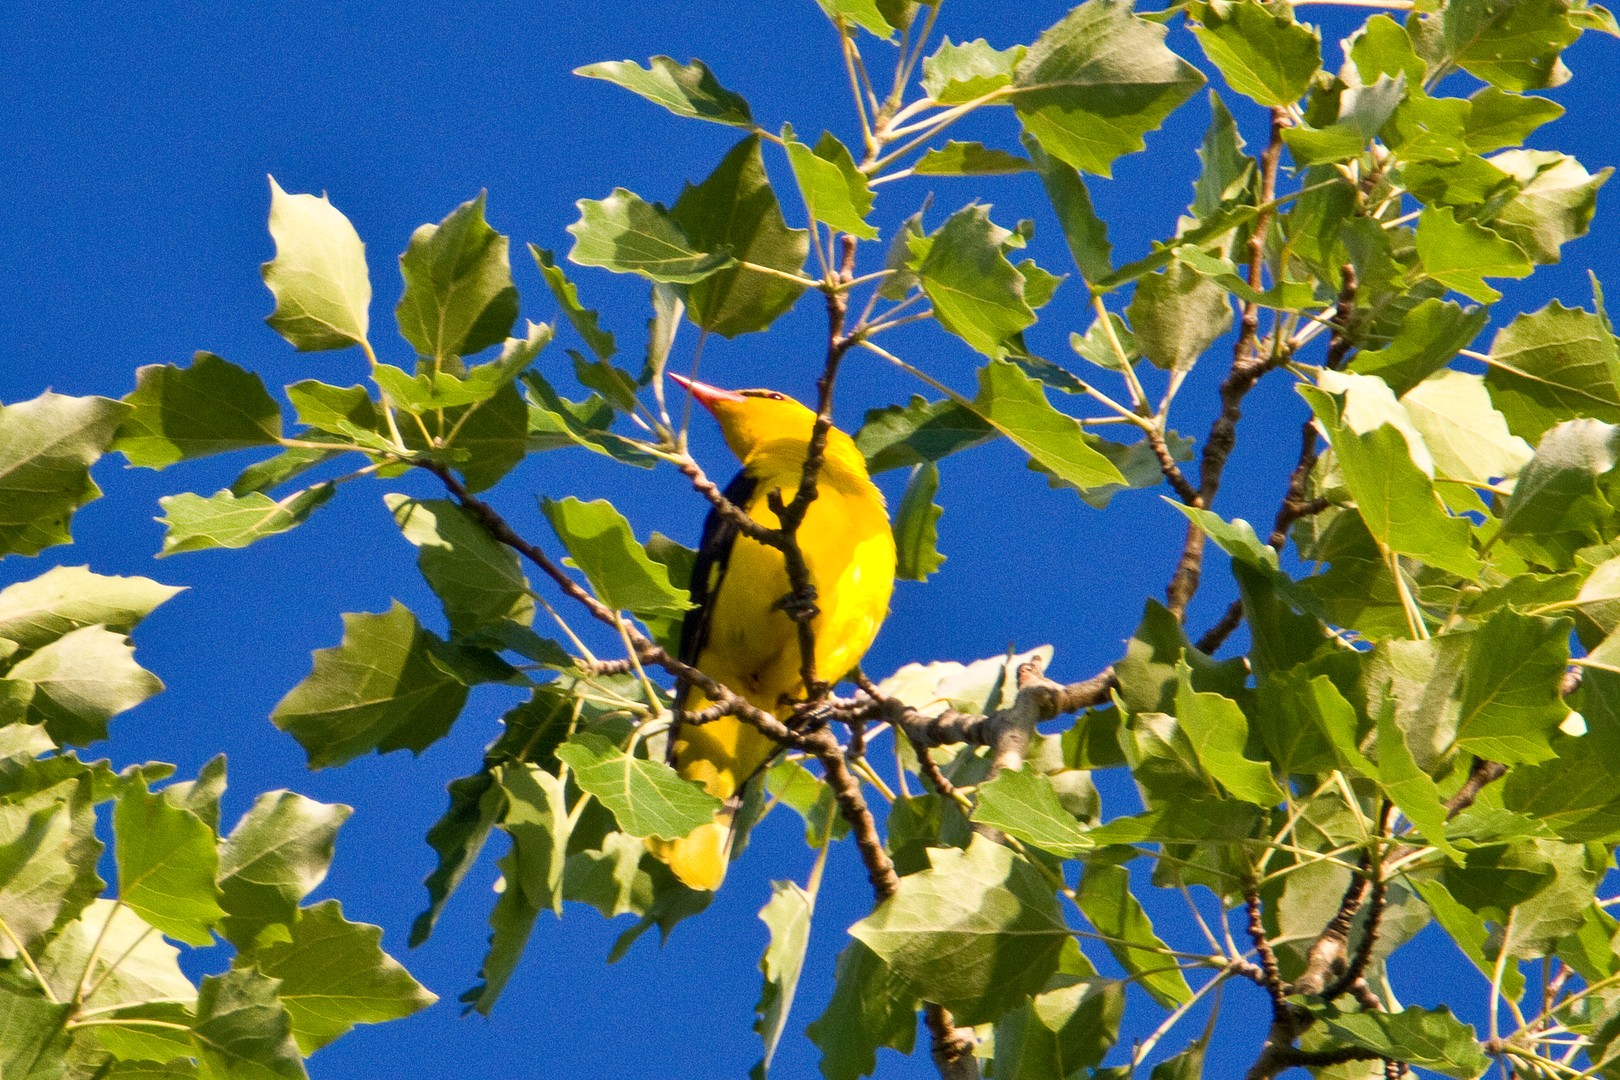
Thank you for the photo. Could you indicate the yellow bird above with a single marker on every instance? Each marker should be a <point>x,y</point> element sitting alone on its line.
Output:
<point>738,633</point>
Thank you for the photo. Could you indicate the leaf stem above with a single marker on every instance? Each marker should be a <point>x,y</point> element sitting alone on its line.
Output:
<point>28,960</point>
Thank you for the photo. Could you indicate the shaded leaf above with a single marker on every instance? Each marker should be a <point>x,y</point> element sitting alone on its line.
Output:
<point>735,209</point>
<point>47,446</point>
<point>978,932</point>
<point>916,539</point>
<point>208,408</point>
<point>1095,83</point>
<point>243,1031</point>
<point>277,854</point>
<point>459,298</point>
<point>382,689</point>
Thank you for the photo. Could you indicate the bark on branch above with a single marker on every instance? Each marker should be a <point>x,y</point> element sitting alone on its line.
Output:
<point>1248,365</point>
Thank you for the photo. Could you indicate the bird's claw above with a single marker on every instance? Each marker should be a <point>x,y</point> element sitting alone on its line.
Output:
<point>799,606</point>
<point>810,716</point>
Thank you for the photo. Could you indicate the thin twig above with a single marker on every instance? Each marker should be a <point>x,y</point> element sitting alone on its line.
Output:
<point>1248,365</point>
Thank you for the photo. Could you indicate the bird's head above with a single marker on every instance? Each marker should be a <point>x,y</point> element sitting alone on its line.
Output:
<point>751,418</point>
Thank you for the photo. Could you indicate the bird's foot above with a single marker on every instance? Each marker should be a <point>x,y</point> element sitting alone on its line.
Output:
<point>810,716</point>
<point>799,606</point>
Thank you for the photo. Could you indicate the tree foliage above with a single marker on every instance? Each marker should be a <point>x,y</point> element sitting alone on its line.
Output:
<point>1421,727</point>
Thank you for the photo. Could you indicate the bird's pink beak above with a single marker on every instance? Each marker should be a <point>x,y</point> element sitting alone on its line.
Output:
<point>707,396</point>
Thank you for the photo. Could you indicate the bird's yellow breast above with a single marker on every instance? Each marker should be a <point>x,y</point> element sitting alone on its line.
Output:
<point>752,645</point>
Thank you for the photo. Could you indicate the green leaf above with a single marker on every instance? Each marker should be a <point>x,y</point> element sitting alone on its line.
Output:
<point>1468,439</point>
<point>1023,803</point>
<point>382,689</point>
<point>243,1031</point>
<point>583,319</point>
<point>1510,704</point>
<point>1265,56</point>
<point>684,89</point>
<point>479,581</point>
<point>1514,46</point>
<point>1573,793</point>
<point>601,544</point>
<point>167,865</point>
<point>538,822</point>
<point>978,932</point>
<point>1497,119</point>
<point>1177,314</point>
<point>345,411</point>
<point>81,680</point>
<point>1551,365</point>
<point>1106,899</point>
<point>33,1036</point>
<point>228,521</point>
<point>1412,790</point>
<point>863,13</point>
<point>1556,506</point>
<point>1461,254</point>
<point>1086,233</point>
<point>1149,676</point>
<point>47,446</point>
<point>136,1043</point>
<point>134,964</point>
<point>1227,171</point>
<point>916,539</point>
<point>787,916</point>
<point>1554,205</point>
<point>277,854</point>
<point>1066,1028</point>
<point>476,802</point>
<point>968,159</point>
<point>1014,404</point>
<point>835,192</point>
<point>511,922</point>
<point>870,1008</point>
<point>65,598</point>
<point>319,276</point>
<point>495,438</point>
<point>977,294</point>
<point>459,298</point>
<point>647,797</point>
<point>1393,495</point>
<point>335,975</point>
<point>735,209</point>
<point>1218,733</point>
<point>48,854</point>
<point>627,235</point>
<point>1094,84</point>
<point>959,73</point>
<point>919,432</point>
<point>182,413</point>
<point>1426,340</point>
<point>1430,1038</point>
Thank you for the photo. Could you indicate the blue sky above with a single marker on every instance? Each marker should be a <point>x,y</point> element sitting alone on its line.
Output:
<point>132,174</point>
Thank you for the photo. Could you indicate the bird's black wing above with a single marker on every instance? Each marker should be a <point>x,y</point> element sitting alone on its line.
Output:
<point>713,553</point>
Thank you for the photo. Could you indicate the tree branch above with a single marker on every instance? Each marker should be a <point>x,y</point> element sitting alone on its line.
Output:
<point>1247,368</point>
<point>1038,699</point>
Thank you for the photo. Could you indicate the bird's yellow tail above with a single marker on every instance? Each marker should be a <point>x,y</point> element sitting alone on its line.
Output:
<point>721,755</point>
